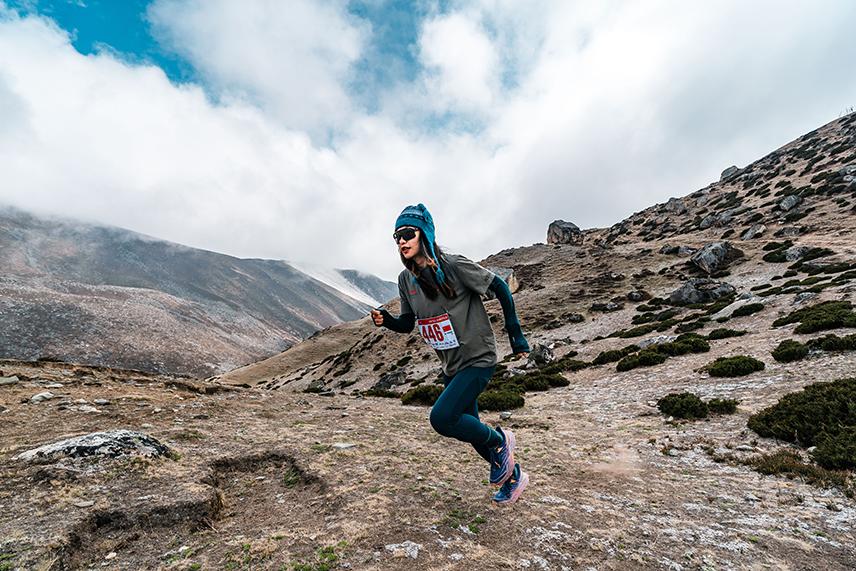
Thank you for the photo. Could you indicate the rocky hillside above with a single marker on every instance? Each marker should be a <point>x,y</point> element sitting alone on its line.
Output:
<point>688,405</point>
<point>107,296</point>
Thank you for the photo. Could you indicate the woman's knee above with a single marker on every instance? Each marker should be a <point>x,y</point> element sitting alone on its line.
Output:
<point>441,420</point>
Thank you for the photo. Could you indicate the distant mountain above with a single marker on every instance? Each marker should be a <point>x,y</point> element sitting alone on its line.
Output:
<point>109,296</point>
<point>364,287</point>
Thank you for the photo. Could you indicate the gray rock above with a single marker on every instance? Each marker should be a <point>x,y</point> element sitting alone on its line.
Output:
<point>87,408</point>
<point>794,253</point>
<point>700,290</point>
<point>658,340</point>
<point>716,256</point>
<point>729,309</point>
<point>637,295</point>
<point>676,205</point>
<point>111,443</point>
<point>504,415</point>
<point>707,221</point>
<point>344,445</point>
<point>101,402</point>
<point>315,386</point>
<point>686,251</point>
<point>541,355</point>
<point>803,297</point>
<point>789,202</point>
<point>84,504</point>
<point>507,275</point>
<point>8,380</point>
<point>723,219</point>
<point>574,318</point>
<point>561,232</point>
<point>389,380</point>
<point>606,307</point>
<point>753,232</point>
<point>406,549</point>
<point>788,232</point>
<point>669,250</point>
<point>729,173</point>
<point>40,397</point>
<point>3,409</point>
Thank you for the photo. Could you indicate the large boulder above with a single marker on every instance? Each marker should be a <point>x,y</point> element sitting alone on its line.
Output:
<point>755,231</point>
<point>507,274</point>
<point>789,202</point>
<point>701,290</point>
<point>561,232</point>
<point>676,205</point>
<point>109,444</point>
<point>729,173</point>
<point>715,256</point>
<point>390,380</point>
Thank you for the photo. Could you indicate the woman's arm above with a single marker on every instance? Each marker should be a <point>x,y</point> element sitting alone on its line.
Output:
<point>401,324</point>
<point>512,324</point>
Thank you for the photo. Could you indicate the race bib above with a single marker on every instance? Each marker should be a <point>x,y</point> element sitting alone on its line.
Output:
<point>438,332</point>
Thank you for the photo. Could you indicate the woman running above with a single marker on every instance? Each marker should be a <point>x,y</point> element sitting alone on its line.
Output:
<point>441,294</point>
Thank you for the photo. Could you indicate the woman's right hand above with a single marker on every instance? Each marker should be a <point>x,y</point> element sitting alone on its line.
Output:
<point>377,317</point>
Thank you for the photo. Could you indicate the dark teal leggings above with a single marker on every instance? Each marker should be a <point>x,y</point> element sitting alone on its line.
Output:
<point>456,412</point>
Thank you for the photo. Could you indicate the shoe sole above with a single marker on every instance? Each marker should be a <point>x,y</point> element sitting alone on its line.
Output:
<point>510,442</point>
<point>521,485</point>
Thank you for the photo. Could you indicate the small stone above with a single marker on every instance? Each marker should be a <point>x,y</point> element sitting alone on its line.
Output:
<point>8,380</point>
<point>111,555</point>
<point>84,504</point>
<point>344,445</point>
<point>456,556</point>
<point>37,398</point>
<point>505,415</point>
<point>745,448</point>
<point>49,385</point>
<point>750,497</point>
<point>101,402</point>
<point>87,408</point>
<point>407,549</point>
<point>790,202</point>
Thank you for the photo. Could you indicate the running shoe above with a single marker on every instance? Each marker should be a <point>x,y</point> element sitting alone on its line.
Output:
<point>502,458</point>
<point>513,487</point>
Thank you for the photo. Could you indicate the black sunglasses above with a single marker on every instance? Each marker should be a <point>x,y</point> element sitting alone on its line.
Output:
<point>406,233</point>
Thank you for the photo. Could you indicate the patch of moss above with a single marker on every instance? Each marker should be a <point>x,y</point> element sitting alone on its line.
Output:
<point>747,309</point>
<point>788,463</point>
<point>737,366</point>
<point>425,395</point>
<point>644,358</point>
<point>820,317</point>
<point>789,350</point>
<point>724,334</point>
<point>682,405</point>
<point>834,343</point>
<point>500,400</point>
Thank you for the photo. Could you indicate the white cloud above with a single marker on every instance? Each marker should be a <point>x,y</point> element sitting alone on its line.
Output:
<point>585,111</point>
<point>293,59</point>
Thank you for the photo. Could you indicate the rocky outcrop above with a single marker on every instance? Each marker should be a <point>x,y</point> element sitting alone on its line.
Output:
<point>755,231</point>
<point>110,444</point>
<point>716,256</point>
<point>561,232</point>
<point>728,173</point>
<point>701,290</point>
<point>790,202</point>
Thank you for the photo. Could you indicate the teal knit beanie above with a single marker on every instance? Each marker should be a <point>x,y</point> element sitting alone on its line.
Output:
<point>419,217</point>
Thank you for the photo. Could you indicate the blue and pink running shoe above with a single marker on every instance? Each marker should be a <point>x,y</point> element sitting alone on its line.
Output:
<point>502,458</point>
<point>513,487</point>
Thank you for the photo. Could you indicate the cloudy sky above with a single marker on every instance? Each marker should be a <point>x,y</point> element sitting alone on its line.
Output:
<point>298,129</point>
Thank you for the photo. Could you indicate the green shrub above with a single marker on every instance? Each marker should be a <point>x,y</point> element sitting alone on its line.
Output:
<point>614,355</point>
<point>790,350</point>
<point>686,343</point>
<point>689,326</point>
<point>682,405</point>
<point>566,363</point>
<point>722,406</point>
<point>837,451</point>
<point>424,395</point>
<point>789,463</point>
<point>747,309</point>
<point>803,416</point>
<point>820,317</point>
<point>636,331</point>
<point>775,257</point>
<point>737,366</point>
<point>500,400</point>
<point>644,358</point>
<point>724,334</point>
<point>834,343</point>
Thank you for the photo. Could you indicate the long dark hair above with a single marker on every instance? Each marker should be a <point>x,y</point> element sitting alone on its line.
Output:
<point>427,277</point>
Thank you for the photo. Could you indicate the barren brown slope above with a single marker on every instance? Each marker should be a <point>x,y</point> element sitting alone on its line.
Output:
<point>262,478</point>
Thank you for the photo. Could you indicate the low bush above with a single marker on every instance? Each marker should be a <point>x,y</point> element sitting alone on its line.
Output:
<point>789,464</point>
<point>614,355</point>
<point>724,334</point>
<point>747,309</point>
<point>500,400</point>
<point>804,416</point>
<point>722,406</point>
<point>424,395</point>
<point>834,343</point>
<point>686,343</point>
<point>820,317</point>
<point>644,358</point>
<point>738,366</point>
<point>689,326</point>
<point>682,405</point>
<point>837,451</point>
<point>566,363</point>
<point>790,350</point>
